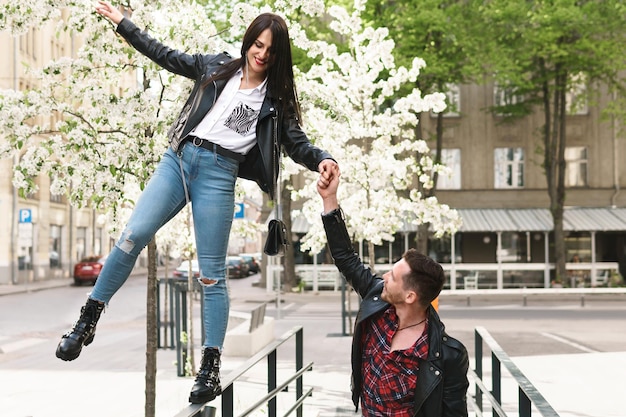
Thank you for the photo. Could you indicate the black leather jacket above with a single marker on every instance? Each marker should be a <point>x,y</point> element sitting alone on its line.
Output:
<point>442,378</point>
<point>261,164</point>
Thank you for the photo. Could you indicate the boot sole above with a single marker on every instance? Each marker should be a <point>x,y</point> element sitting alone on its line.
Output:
<point>204,399</point>
<point>67,357</point>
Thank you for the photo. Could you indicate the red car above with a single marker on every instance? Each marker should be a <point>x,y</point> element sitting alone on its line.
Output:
<point>88,270</point>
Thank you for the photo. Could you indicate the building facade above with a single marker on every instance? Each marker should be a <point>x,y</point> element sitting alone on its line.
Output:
<point>499,187</point>
<point>43,235</point>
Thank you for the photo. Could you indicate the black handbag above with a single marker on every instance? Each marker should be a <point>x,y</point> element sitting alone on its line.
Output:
<point>276,242</point>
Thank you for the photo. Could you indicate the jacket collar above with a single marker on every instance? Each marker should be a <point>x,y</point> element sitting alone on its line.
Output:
<point>435,332</point>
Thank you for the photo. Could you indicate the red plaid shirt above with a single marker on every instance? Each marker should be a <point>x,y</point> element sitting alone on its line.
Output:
<point>389,378</point>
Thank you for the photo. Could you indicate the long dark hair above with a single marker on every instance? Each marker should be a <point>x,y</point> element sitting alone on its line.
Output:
<point>280,79</point>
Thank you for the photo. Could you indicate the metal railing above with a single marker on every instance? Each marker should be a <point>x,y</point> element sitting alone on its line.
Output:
<point>172,322</point>
<point>273,388</point>
<point>528,395</point>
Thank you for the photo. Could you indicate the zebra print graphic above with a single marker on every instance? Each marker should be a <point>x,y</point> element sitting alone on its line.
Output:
<point>242,119</point>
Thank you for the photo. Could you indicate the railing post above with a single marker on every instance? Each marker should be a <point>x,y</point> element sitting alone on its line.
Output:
<point>209,412</point>
<point>478,352</point>
<point>180,356</point>
<point>299,365</point>
<point>496,381</point>
<point>171,293</point>
<point>158,314</point>
<point>271,381</point>
<point>524,404</point>
<point>228,401</point>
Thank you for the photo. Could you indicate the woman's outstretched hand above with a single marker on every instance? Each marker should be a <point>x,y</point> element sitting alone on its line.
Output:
<point>105,9</point>
<point>327,169</point>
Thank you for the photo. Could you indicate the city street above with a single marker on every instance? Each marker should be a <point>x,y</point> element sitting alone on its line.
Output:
<point>549,338</point>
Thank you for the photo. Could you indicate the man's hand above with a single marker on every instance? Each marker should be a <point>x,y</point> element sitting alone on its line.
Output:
<point>327,188</point>
<point>105,9</point>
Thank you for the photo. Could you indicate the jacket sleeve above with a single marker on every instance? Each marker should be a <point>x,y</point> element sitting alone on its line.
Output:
<point>455,383</point>
<point>297,145</point>
<point>346,260</point>
<point>187,65</point>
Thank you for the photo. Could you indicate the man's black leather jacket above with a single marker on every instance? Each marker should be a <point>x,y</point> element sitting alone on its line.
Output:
<point>261,164</point>
<point>442,378</point>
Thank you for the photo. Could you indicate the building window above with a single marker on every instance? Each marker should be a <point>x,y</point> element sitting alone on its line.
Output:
<point>513,247</point>
<point>81,242</point>
<point>504,97</point>
<point>55,246</point>
<point>453,101</point>
<point>56,198</point>
<point>575,166</point>
<point>509,168</point>
<point>576,96</point>
<point>452,159</point>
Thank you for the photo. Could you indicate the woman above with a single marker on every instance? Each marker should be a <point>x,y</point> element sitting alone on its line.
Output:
<point>240,112</point>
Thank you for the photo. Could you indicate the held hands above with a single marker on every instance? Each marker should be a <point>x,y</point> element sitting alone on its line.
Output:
<point>327,169</point>
<point>105,9</point>
<point>327,185</point>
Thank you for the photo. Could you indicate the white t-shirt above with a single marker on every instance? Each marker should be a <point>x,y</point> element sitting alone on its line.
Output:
<point>231,123</point>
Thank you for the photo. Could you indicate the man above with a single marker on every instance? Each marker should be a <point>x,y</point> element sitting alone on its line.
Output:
<point>403,362</point>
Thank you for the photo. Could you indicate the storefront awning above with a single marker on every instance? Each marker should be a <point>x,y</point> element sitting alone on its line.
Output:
<point>540,220</point>
<point>520,220</point>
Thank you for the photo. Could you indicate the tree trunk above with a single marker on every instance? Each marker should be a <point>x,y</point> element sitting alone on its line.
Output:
<point>559,233</point>
<point>554,160</point>
<point>371,254</point>
<point>421,240</point>
<point>151,332</point>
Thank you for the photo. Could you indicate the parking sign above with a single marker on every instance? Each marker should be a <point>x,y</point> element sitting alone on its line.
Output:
<point>239,212</point>
<point>26,216</point>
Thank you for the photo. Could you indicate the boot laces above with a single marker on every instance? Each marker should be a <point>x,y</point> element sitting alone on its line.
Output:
<point>86,322</point>
<point>209,370</point>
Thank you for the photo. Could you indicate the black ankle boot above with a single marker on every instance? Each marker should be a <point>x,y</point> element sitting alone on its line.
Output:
<point>82,333</point>
<point>207,385</point>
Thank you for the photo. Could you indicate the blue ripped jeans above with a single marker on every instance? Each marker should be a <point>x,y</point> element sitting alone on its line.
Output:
<point>210,180</point>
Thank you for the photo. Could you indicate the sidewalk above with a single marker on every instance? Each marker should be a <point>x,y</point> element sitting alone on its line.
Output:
<point>8,289</point>
<point>576,385</point>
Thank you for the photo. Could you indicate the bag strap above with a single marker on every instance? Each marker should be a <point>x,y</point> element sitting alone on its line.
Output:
<point>277,159</point>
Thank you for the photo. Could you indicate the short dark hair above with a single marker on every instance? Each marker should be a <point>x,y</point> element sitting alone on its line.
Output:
<point>426,277</point>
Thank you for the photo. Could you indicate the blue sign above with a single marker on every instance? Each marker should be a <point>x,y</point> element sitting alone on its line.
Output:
<point>238,211</point>
<point>26,216</point>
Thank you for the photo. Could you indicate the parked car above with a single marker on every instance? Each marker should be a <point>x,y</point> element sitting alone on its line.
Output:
<point>236,267</point>
<point>254,262</point>
<point>88,269</point>
<point>183,269</point>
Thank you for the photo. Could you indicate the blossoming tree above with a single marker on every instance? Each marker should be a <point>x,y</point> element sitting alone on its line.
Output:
<point>97,122</point>
<point>354,108</point>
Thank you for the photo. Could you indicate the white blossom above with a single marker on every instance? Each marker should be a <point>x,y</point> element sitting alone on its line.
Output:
<point>112,129</point>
